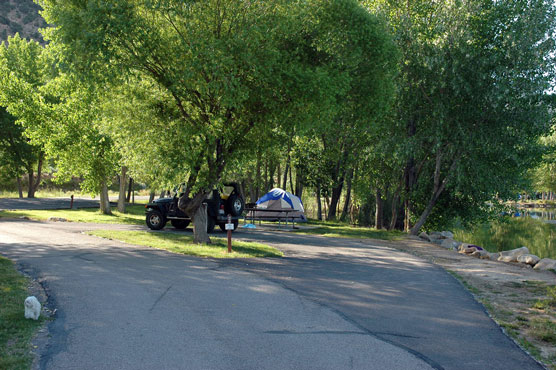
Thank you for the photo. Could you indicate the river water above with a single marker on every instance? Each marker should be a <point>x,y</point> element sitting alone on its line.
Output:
<point>543,214</point>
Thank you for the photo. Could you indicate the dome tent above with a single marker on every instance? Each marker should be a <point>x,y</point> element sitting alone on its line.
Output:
<point>278,204</point>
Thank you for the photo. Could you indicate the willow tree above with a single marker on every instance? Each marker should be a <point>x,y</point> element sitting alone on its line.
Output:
<point>471,102</point>
<point>20,63</point>
<point>231,69</point>
<point>58,114</point>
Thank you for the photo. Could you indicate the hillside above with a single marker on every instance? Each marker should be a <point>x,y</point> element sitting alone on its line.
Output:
<point>20,16</point>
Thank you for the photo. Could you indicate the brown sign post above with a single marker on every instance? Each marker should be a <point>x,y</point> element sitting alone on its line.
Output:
<point>229,228</point>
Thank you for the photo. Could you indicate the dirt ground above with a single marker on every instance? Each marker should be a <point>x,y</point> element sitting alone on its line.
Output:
<point>521,300</point>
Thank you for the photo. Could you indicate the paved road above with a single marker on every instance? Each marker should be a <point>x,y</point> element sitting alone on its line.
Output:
<point>391,295</point>
<point>331,303</point>
<point>126,307</point>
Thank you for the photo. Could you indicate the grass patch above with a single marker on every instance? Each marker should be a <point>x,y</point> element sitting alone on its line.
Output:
<point>340,230</point>
<point>135,215</point>
<point>15,331</point>
<point>543,329</point>
<point>183,244</point>
<point>550,301</point>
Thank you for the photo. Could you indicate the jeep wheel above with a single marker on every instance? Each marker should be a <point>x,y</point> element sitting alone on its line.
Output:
<point>223,226</point>
<point>235,205</point>
<point>210,224</point>
<point>155,220</point>
<point>179,224</point>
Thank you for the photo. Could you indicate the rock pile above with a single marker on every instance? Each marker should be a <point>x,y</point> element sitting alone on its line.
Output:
<point>519,255</point>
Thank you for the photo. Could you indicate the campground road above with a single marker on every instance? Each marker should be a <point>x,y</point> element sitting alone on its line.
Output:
<point>329,304</point>
<point>392,295</point>
<point>128,307</point>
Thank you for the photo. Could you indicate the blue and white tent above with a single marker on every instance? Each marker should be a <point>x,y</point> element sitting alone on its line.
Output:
<point>279,204</point>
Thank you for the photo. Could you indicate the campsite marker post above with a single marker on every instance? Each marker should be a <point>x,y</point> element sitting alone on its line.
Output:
<point>229,228</point>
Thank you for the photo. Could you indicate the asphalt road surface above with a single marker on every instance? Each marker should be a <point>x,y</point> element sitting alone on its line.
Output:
<point>329,304</point>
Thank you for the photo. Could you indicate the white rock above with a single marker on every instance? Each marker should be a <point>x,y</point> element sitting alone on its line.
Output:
<point>546,264</point>
<point>447,234</point>
<point>468,250</point>
<point>529,259</point>
<point>449,243</point>
<point>479,253</point>
<point>435,235</point>
<point>494,256</point>
<point>511,255</point>
<point>424,236</point>
<point>32,308</point>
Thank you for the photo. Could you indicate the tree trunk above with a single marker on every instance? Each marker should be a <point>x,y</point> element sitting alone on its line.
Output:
<point>200,221</point>
<point>39,171</point>
<point>151,196</point>
<point>198,209</point>
<point>319,204</point>
<point>345,211</point>
<point>104,200</point>
<point>291,179</point>
<point>336,193</point>
<point>34,183</point>
<point>438,188</point>
<point>30,188</point>
<point>409,176</point>
<point>162,194</point>
<point>121,194</point>
<point>394,218</point>
<point>258,177</point>
<point>298,184</point>
<point>379,210</point>
<point>279,177</point>
<point>20,187</point>
<point>128,199</point>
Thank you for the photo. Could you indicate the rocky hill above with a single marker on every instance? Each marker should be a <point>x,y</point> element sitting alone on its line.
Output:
<point>20,16</point>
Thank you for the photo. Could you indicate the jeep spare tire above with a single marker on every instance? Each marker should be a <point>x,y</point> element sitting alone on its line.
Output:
<point>235,205</point>
<point>155,220</point>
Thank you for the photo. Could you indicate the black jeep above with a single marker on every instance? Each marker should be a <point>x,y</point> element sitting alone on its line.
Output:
<point>220,203</point>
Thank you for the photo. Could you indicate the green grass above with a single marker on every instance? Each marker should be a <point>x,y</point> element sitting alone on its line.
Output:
<point>135,215</point>
<point>511,233</point>
<point>544,329</point>
<point>342,230</point>
<point>183,244</point>
<point>550,301</point>
<point>15,331</point>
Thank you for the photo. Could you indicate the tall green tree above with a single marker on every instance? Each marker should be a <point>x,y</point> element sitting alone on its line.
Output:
<point>20,60</point>
<point>59,114</point>
<point>471,98</point>
<point>17,155</point>
<point>231,68</point>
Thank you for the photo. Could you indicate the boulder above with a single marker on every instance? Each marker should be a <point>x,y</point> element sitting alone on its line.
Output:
<point>511,255</point>
<point>546,264</point>
<point>529,259</point>
<point>424,236</point>
<point>450,244</point>
<point>447,234</point>
<point>494,256</point>
<point>479,253</point>
<point>468,250</point>
<point>436,235</point>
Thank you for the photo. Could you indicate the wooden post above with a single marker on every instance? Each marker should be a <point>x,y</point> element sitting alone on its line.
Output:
<point>229,230</point>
